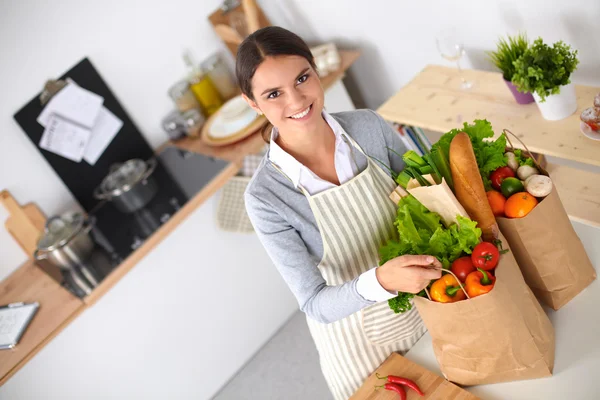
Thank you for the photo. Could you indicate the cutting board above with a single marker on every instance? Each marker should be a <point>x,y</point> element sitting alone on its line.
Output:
<point>25,223</point>
<point>434,386</point>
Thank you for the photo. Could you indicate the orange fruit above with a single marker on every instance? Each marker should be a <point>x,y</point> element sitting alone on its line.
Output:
<point>519,205</point>
<point>497,201</point>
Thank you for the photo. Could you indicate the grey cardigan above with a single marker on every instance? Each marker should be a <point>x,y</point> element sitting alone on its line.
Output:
<point>286,226</point>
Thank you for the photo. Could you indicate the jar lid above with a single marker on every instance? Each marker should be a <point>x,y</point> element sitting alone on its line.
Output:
<point>211,62</point>
<point>123,177</point>
<point>60,230</point>
<point>179,89</point>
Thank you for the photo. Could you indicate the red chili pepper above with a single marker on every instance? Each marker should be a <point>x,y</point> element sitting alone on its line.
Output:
<point>402,381</point>
<point>394,387</point>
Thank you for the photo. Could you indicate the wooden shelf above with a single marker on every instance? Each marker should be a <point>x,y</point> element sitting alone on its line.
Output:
<point>433,100</point>
<point>254,143</point>
<point>57,308</point>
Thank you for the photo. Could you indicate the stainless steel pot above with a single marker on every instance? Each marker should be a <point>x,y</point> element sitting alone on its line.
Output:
<point>130,185</point>
<point>66,241</point>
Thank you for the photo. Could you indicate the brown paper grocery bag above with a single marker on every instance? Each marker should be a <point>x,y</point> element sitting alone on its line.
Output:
<point>549,252</point>
<point>500,336</point>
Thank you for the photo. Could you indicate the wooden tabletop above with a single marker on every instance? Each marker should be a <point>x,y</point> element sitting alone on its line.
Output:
<point>57,308</point>
<point>254,143</point>
<point>433,100</point>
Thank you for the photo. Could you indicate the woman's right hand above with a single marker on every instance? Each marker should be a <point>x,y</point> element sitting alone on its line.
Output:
<point>408,274</point>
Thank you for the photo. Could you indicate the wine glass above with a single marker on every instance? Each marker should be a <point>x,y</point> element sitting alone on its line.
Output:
<point>450,46</point>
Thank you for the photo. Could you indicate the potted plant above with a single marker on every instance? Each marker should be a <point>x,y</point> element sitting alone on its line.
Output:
<point>508,51</point>
<point>546,72</point>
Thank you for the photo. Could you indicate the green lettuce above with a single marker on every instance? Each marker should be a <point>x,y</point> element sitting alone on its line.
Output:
<point>422,232</point>
<point>489,153</point>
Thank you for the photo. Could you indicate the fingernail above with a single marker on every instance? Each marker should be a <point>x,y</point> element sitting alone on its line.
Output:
<point>429,259</point>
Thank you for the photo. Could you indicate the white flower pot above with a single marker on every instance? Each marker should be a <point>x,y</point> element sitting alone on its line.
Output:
<point>558,106</point>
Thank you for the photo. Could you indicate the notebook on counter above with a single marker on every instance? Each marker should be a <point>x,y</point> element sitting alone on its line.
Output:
<point>14,319</point>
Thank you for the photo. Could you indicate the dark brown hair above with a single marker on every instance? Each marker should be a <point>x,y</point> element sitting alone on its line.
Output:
<point>267,42</point>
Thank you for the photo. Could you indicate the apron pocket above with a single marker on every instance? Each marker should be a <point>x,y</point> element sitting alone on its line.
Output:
<point>381,326</point>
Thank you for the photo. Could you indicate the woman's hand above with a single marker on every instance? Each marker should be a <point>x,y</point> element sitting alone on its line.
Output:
<point>409,274</point>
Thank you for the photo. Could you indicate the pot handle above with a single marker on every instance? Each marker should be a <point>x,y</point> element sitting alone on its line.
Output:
<point>38,255</point>
<point>89,224</point>
<point>100,195</point>
<point>150,167</point>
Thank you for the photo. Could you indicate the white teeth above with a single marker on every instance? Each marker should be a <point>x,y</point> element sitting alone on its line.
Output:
<point>301,114</point>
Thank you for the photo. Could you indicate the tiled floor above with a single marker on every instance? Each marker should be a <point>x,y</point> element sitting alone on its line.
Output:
<point>287,367</point>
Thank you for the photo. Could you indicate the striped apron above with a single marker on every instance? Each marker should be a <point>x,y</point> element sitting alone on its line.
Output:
<point>354,220</point>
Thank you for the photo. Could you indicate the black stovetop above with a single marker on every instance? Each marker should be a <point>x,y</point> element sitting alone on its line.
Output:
<point>180,175</point>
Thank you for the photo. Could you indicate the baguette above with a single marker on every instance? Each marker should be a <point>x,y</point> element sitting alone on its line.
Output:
<point>468,186</point>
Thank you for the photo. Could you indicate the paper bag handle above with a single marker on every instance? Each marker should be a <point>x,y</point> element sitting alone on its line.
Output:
<point>539,167</point>
<point>457,280</point>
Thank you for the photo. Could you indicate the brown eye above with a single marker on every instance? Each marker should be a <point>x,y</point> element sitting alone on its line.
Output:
<point>303,78</point>
<point>273,95</point>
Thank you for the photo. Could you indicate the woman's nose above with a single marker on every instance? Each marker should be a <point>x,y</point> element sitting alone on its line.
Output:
<point>297,99</point>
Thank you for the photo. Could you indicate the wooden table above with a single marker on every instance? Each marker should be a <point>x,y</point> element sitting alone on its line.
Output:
<point>433,100</point>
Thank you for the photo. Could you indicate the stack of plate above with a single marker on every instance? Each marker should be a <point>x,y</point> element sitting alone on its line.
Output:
<point>233,122</point>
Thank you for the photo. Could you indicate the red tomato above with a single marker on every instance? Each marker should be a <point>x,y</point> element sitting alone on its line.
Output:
<point>485,256</point>
<point>499,175</point>
<point>461,267</point>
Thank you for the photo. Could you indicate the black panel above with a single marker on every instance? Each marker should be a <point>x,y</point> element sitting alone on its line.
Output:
<point>82,178</point>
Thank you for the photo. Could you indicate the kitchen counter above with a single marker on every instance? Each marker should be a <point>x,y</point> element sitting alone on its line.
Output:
<point>58,307</point>
<point>577,358</point>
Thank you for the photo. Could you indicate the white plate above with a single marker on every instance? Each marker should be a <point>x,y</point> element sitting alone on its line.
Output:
<point>587,131</point>
<point>234,116</point>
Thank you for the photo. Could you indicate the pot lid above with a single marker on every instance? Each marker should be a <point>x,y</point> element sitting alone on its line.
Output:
<point>59,230</point>
<point>124,177</point>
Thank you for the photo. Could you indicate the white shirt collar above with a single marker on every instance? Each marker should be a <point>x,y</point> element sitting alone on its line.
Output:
<point>288,164</point>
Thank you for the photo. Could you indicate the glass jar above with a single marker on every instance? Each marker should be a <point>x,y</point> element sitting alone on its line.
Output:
<point>217,70</point>
<point>183,97</point>
<point>206,93</point>
<point>174,125</point>
<point>194,121</point>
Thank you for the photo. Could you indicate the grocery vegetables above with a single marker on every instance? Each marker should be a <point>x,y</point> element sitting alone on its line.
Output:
<point>511,186</point>
<point>497,202</point>
<point>511,161</point>
<point>479,282</point>
<point>485,256</point>
<point>522,159</point>
<point>402,381</point>
<point>446,290</point>
<point>394,387</point>
<point>519,205</point>
<point>538,185</point>
<point>500,175</point>
<point>525,171</point>
<point>462,267</point>
<point>489,153</point>
<point>422,232</point>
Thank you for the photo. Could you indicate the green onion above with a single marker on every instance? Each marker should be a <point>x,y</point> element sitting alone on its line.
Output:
<point>412,159</point>
<point>403,178</point>
<point>441,162</point>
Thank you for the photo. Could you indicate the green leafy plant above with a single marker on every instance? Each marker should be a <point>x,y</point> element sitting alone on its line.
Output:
<point>543,69</point>
<point>508,51</point>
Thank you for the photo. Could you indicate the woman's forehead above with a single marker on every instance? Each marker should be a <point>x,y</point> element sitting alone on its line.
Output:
<point>278,71</point>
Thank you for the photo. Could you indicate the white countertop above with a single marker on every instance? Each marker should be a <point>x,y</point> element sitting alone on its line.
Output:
<point>577,359</point>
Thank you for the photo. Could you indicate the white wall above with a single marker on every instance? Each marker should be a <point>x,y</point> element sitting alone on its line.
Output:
<point>112,351</point>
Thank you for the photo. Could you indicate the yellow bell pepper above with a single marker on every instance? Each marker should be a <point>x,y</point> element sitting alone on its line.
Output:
<point>446,290</point>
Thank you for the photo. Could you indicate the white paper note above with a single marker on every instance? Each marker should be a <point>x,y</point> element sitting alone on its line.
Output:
<point>75,104</point>
<point>105,129</point>
<point>65,138</point>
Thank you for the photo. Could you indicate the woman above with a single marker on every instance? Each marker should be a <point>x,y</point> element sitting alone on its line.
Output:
<point>320,207</point>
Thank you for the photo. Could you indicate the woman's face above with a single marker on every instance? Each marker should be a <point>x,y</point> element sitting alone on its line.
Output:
<point>288,91</point>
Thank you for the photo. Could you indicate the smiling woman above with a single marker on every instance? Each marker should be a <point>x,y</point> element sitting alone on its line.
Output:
<point>320,208</point>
